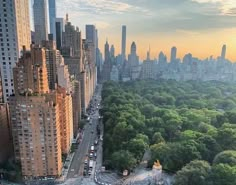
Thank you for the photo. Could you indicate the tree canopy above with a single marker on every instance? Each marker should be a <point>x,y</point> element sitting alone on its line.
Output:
<point>190,127</point>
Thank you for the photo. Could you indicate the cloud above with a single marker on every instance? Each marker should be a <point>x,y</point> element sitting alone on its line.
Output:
<point>227,7</point>
<point>101,25</point>
<point>99,6</point>
<point>152,16</point>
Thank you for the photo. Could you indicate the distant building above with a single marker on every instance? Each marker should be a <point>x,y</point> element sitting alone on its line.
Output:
<point>40,21</point>
<point>91,34</point>
<point>223,52</point>
<point>132,66</point>
<point>60,28</point>
<point>71,41</point>
<point>52,17</point>
<point>123,44</point>
<point>107,66</point>
<point>114,74</point>
<point>149,68</point>
<point>173,54</point>
<point>15,20</point>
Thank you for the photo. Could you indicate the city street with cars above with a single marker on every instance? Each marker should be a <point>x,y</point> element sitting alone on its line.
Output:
<point>83,165</point>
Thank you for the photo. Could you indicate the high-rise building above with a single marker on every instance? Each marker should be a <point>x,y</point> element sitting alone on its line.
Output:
<point>14,33</point>
<point>36,135</point>
<point>133,59</point>
<point>123,45</point>
<point>91,40</point>
<point>112,51</point>
<point>5,141</point>
<point>52,17</point>
<point>91,34</point>
<point>40,21</point>
<point>53,57</point>
<point>33,75</point>
<point>133,62</point>
<point>107,66</point>
<point>71,41</point>
<point>223,52</point>
<point>60,28</point>
<point>173,54</point>
<point>42,122</point>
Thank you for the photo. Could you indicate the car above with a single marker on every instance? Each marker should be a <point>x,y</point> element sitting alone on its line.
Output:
<point>72,170</point>
<point>91,155</point>
<point>89,172</point>
<point>86,161</point>
<point>95,155</point>
<point>96,142</point>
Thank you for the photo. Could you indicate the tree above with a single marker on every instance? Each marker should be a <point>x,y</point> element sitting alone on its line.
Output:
<point>227,138</point>
<point>137,147</point>
<point>157,138</point>
<point>222,174</point>
<point>123,160</point>
<point>226,157</point>
<point>194,173</point>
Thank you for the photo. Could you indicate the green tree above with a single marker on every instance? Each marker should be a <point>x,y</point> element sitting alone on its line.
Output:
<point>123,160</point>
<point>222,174</point>
<point>194,173</point>
<point>157,138</point>
<point>226,157</point>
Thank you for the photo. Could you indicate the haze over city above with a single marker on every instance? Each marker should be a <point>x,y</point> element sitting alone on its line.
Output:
<point>186,24</point>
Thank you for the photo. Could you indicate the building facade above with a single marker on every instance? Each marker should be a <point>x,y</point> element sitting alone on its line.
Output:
<point>36,135</point>
<point>5,141</point>
<point>1,93</point>
<point>41,121</point>
<point>14,33</point>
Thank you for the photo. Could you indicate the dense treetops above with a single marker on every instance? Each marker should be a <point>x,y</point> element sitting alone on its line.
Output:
<point>186,125</point>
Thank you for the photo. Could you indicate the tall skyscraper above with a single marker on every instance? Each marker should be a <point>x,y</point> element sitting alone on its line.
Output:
<point>112,51</point>
<point>52,17</point>
<point>40,21</point>
<point>173,54</point>
<point>223,52</point>
<point>107,53</point>
<point>133,58</point>
<point>91,39</point>
<point>107,66</point>
<point>123,45</point>
<point>91,34</point>
<point>60,28</point>
<point>14,33</point>
<point>71,40</point>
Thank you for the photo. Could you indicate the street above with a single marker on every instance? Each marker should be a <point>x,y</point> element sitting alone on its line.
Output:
<point>89,136</point>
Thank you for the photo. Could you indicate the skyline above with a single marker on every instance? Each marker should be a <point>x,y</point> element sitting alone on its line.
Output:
<point>177,23</point>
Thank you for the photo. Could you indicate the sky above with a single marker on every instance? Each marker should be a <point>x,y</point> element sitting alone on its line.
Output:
<point>199,27</point>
